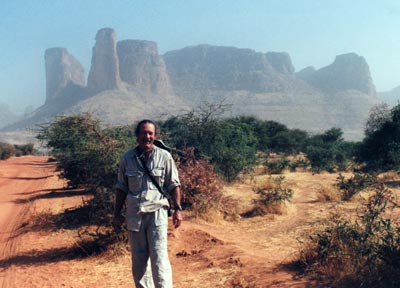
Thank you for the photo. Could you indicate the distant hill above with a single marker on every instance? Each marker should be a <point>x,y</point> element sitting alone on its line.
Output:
<point>6,116</point>
<point>129,80</point>
<point>392,97</point>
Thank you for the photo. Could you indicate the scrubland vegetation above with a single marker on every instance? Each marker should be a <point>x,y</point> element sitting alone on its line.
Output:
<point>211,151</point>
<point>7,150</point>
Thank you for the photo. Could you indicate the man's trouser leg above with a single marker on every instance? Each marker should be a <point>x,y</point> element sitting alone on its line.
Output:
<point>158,244</point>
<point>151,241</point>
<point>141,266</point>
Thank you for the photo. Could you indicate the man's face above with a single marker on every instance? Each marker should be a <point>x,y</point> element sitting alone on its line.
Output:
<point>146,136</point>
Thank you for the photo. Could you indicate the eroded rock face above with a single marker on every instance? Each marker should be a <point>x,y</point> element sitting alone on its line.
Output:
<point>104,70</point>
<point>141,66</point>
<point>347,72</point>
<point>281,62</point>
<point>62,71</point>
<point>206,68</point>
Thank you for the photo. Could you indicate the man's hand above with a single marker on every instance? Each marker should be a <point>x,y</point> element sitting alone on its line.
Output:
<point>117,222</point>
<point>177,218</point>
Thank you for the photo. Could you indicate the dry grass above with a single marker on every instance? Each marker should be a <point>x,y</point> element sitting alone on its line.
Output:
<point>389,176</point>
<point>327,193</point>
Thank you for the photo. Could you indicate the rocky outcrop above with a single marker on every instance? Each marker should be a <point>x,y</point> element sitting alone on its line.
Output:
<point>201,69</point>
<point>129,80</point>
<point>281,62</point>
<point>306,74</point>
<point>141,66</point>
<point>63,71</point>
<point>104,70</point>
<point>347,72</point>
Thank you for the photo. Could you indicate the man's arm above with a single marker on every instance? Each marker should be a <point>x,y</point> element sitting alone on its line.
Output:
<point>118,219</point>
<point>176,201</point>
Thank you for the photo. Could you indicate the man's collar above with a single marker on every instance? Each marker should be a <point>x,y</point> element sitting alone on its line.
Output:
<point>142,153</point>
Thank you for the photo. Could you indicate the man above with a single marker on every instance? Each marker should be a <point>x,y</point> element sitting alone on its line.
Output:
<point>147,208</point>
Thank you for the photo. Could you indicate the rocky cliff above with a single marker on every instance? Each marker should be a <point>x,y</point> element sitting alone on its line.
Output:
<point>204,68</point>
<point>141,66</point>
<point>129,80</point>
<point>104,70</point>
<point>63,72</point>
<point>347,72</point>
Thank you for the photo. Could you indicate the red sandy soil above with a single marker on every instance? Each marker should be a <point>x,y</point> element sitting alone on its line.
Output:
<point>249,252</point>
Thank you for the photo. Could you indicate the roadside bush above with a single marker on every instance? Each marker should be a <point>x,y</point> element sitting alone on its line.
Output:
<point>201,188</point>
<point>26,149</point>
<point>360,253</point>
<point>6,151</point>
<point>273,195</point>
<point>353,185</point>
<point>86,154</point>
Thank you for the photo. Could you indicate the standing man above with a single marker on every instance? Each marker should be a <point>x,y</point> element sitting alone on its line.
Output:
<point>147,208</point>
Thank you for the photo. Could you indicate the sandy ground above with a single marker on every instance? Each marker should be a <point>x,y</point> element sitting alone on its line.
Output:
<point>251,252</point>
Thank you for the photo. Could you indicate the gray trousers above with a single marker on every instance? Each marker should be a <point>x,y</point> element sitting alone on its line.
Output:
<point>149,248</point>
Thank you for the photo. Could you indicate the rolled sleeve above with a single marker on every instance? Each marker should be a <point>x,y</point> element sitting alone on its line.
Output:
<point>171,175</point>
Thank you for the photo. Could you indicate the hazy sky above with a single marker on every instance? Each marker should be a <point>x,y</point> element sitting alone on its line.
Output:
<point>312,32</point>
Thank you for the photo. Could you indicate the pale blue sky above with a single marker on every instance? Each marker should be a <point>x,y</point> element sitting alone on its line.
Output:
<point>312,32</point>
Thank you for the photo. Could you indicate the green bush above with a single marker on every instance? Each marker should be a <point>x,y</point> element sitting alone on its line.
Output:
<point>380,149</point>
<point>328,151</point>
<point>86,154</point>
<point>273,195</point>
<point>26,149</point>
<point>277,166</point>
<point>228,144</point>
<point>351,186</point>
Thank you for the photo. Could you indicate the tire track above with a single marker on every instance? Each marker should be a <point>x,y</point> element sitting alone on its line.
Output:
<point>19,179</point>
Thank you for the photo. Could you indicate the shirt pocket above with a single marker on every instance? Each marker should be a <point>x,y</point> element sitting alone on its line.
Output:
<point>158,175</point>
<point>135,179</point>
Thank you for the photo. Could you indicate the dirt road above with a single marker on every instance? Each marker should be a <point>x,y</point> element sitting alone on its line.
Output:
<point>243,254</point>
<point>20,179</point>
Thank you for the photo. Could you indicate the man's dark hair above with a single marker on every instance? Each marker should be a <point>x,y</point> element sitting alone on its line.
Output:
<point>139,125</point>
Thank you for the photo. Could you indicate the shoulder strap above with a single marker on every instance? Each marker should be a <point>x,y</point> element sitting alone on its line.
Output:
<point>141,159</point>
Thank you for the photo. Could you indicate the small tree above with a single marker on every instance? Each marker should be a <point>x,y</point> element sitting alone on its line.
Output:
<point>378,115</point>
<point>380,149</point>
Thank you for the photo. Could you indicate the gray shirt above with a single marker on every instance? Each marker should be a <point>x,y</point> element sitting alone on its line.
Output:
<point>142,195</point>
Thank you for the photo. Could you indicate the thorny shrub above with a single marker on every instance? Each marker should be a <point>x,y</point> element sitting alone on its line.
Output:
<point>273,195</point>
<point>355,184</point>
<point>360,253</point>
<point>86,153</point>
